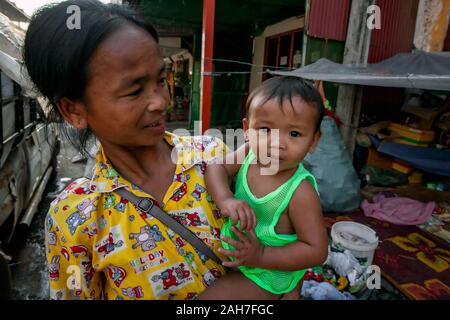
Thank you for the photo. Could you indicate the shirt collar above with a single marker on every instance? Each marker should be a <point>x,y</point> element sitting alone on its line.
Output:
<point>104,178</point>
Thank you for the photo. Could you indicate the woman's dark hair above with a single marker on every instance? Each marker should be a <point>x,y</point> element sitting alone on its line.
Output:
<point>57,56</point>
<point>287,87</point>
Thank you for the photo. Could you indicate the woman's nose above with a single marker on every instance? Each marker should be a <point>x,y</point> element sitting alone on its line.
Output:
<point>157,101</point>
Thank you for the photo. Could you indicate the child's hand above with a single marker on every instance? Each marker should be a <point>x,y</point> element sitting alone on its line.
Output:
<point>238,210</point>
<point>248,250</point>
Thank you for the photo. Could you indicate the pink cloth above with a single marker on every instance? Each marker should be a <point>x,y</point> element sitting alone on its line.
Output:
<point>398,210</point>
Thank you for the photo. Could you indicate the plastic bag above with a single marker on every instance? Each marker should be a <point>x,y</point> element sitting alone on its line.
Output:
<point>330,164</point>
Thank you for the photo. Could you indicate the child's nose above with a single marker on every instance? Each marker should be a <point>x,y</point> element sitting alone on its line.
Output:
<point>282,144</point>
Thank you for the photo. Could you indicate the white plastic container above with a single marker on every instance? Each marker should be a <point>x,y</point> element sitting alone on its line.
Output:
<point>359,239</point>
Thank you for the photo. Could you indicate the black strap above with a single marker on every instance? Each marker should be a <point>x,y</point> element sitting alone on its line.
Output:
<point>146,205</point>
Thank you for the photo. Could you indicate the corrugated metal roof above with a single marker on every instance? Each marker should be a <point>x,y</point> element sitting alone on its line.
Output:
<point>398,23</point>
<point>328,19</point>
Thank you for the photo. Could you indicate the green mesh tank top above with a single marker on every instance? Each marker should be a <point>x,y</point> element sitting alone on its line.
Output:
<point>268,210</point>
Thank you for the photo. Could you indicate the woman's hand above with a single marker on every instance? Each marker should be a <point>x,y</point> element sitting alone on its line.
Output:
<point>249,251</point>
<point>238,210</point>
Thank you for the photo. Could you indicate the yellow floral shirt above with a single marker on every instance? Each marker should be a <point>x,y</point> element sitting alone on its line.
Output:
<point>100,246</point>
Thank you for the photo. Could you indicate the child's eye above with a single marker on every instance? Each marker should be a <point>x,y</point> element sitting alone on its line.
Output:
<point>135,93</point>
<point>264,129</point>
<point>295,134</point>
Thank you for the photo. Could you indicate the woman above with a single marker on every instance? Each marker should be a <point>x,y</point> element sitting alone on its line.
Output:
<point>108,78</point>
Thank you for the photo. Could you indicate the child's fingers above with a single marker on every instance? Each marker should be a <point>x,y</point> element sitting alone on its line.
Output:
<point>253,234</point>
<point>232,264</point>
<point>240,235</point>
<point>237,244</point>
<point>233,216</point>
<point>229,253</point>
<point>252,216</point>
<point>242,218</point>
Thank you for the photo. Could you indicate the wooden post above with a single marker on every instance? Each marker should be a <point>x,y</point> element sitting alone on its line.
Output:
<point>348,105</point>
<point>206,70</point>
<point>432,23</point>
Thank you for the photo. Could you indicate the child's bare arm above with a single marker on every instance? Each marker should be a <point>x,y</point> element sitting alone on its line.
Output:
<point>312,249</point>
<point>217,177</point>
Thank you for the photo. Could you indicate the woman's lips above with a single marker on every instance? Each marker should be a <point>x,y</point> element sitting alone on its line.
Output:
<point>156,126</point>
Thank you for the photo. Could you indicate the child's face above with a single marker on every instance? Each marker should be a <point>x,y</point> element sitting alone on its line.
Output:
<point>297,130</point>
<point>126,95</point>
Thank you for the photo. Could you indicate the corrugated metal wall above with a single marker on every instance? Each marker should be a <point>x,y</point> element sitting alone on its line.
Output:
<point>328,19</point>
<point>398,23</point>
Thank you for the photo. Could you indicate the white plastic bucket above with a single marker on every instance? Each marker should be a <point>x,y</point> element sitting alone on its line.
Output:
<point>359,239</point>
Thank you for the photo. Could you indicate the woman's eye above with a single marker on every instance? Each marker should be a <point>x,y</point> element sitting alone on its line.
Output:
<point>295,134</point>
<point>265,130</point>
<point>135,93</point>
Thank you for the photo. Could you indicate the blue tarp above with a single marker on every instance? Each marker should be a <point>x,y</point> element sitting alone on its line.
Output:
<point>428,159</point>
<point>420,70</point>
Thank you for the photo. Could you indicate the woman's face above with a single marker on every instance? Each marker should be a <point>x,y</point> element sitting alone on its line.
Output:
<point>126,95</point>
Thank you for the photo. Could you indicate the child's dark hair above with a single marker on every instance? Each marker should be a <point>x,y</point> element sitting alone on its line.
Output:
<point>57,57</point>
<point>287,87</point>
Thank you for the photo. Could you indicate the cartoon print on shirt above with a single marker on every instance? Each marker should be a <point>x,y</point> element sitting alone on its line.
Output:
<point>180,192</point>
<point>111,173</point>
<point>75,220</point>
<point>79,217</point>
<point>87,206</point>
<point>48,222</point>
<point>112,243</point>
<point>53,268</point>
<point>63,195</point>
<point>147,237</point>
<point>210,276</point>
<point>194,217</point>
<point>133,293</point>
<point>88,273</point>
<point>79,251</point>
<point>121,205</point>
<point>172,278</point>
<point>65,253</point>
<point>117,274</point>
<point>51,238</point>
<point>201,168</point>
<point>83,189</point>
<point>191,296</point>
<point>202,256</point>
<point>110,201</point>
<point>101,222</point>
<point>197,193</point>
<point>57,294</point>
<point>90,230</point>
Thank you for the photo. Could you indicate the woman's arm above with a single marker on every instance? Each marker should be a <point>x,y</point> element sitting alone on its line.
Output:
<point>218,177</point>
<point>311,250</point>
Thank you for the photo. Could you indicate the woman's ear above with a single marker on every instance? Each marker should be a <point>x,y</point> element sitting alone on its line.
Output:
<point>73,112</point>
<point>315,142</point>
